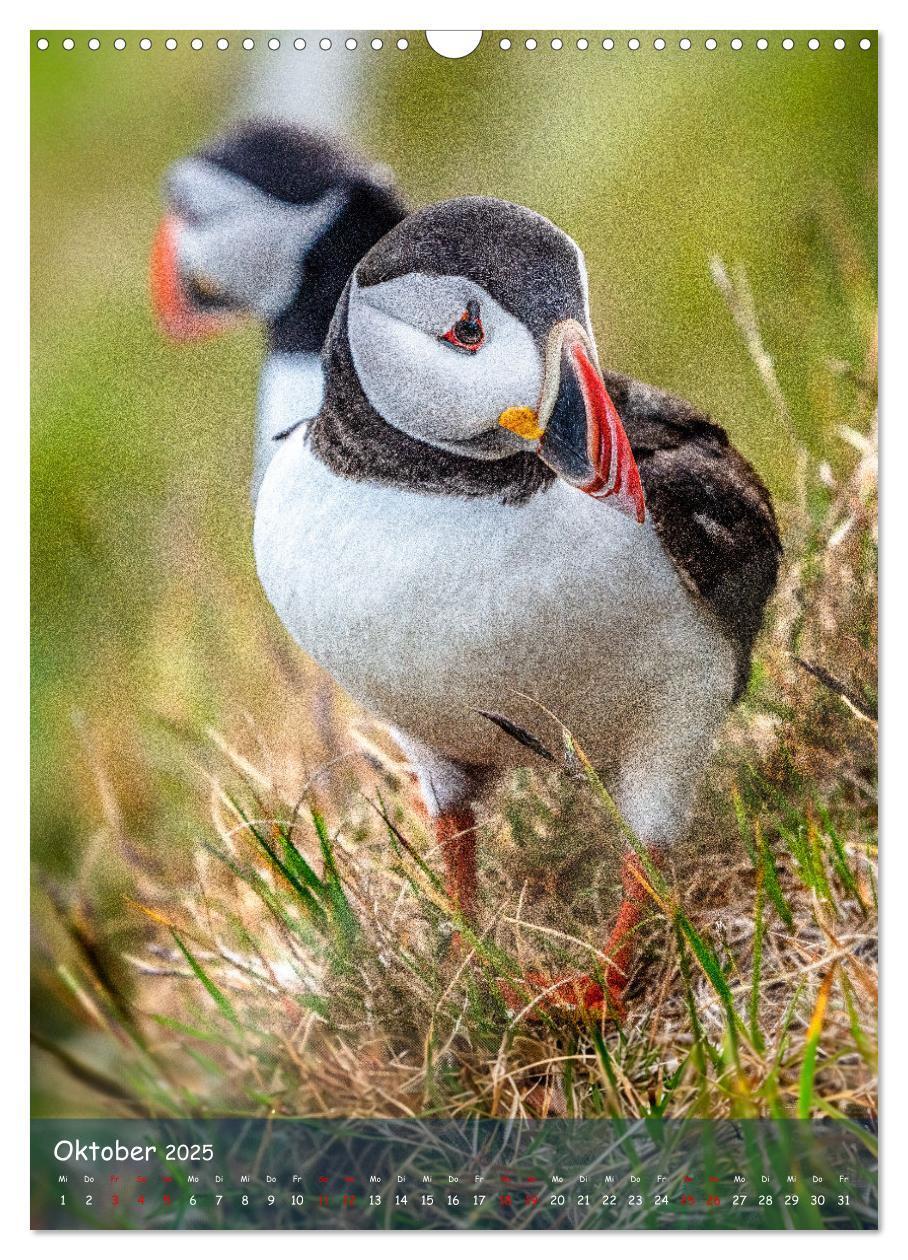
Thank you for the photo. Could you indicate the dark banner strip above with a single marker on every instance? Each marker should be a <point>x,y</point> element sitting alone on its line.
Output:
<point>471,1174</point>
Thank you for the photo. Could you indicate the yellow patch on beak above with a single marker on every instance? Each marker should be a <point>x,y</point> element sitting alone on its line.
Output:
<point>523,421</point>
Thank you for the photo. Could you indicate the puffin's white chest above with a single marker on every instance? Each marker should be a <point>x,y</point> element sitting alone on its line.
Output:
<point>427,608</point>
<point>290,389</point>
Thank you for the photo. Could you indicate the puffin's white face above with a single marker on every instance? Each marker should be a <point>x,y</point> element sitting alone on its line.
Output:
<point>440,359</point>
<point>227,246</point>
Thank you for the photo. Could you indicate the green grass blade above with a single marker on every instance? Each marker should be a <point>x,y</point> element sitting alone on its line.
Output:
<point>305,895</point>
<point>753,1006</point>
<point>221,1001</point>
<point>710,965</point>
<point>811,1047</point>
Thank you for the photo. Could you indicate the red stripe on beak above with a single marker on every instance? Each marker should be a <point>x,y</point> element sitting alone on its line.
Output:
<point>173,310</point>
<point>615,469</point>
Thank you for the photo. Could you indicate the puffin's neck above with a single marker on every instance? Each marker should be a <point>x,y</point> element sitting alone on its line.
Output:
<point>353,440</point>
<point>295,331</point>
<point>369,213</point>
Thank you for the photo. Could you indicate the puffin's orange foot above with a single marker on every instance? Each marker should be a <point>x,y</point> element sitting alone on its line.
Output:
<point>570,993</point>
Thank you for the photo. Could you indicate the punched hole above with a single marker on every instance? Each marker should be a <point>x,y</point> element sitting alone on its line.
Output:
<point>453,44</point>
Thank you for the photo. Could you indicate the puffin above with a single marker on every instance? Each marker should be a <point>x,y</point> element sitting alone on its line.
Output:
<point>268,220</point>
<point>483,522</point>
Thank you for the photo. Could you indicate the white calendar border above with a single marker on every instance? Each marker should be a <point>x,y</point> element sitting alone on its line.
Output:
<point>461,15</point>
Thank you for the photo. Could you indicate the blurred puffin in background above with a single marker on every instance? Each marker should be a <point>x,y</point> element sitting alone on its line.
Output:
<point>480,521</point>
<point>268,221</point>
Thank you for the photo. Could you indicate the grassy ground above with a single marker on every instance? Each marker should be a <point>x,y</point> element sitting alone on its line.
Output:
<point>258,925</point>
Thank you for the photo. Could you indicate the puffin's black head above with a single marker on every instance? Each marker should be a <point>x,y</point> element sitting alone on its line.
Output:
<point>268,220</point>
<point>468,328</point>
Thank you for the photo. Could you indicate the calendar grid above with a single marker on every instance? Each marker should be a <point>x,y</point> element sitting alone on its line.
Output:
<point>479,1174</point>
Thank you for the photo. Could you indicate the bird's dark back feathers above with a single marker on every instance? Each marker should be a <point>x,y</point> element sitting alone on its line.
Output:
<point>709,507</point>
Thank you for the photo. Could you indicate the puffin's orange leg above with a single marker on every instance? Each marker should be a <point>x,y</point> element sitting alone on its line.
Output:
<point>456,835</point>
<point>580,991</point>
<point>621,944</point>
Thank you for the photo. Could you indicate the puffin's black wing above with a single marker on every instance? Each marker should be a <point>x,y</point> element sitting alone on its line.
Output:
<point>711,511</point>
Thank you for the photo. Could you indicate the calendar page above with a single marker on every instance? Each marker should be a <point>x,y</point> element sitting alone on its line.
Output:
<point>454,553</point>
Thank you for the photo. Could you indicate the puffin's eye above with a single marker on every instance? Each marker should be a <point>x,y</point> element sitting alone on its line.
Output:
<point>467,334</point>
<point>204,292</point>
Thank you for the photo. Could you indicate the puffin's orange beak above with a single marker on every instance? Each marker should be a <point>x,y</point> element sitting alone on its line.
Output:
<point>577,428</point>
<point>176,313</point>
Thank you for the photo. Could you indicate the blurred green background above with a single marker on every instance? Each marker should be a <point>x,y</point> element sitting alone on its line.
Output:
<point>144,596</point>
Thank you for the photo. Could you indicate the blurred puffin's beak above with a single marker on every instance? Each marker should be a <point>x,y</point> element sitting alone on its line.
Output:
<point>577,426</point>
<point>176,313</point>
